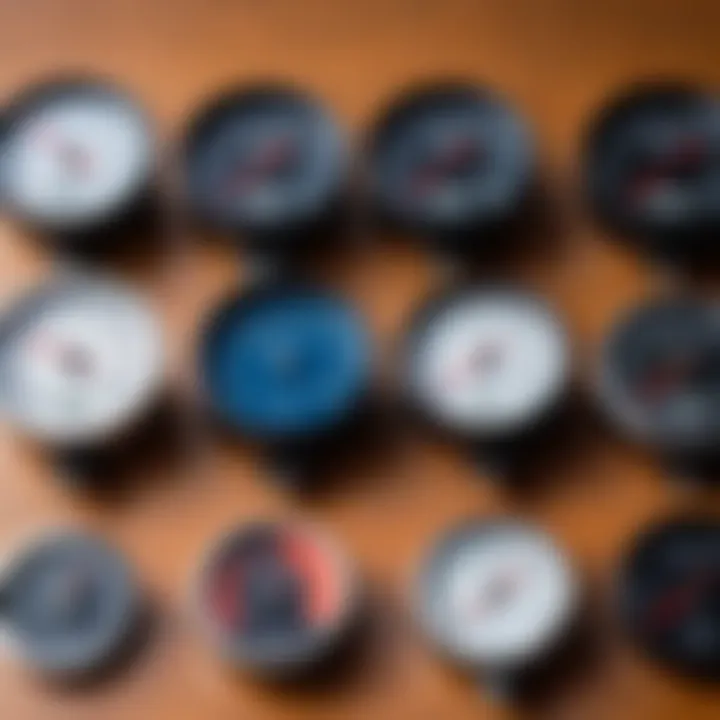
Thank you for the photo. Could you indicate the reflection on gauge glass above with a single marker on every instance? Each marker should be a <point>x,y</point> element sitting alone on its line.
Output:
<point>497,595</point>
<point>285,361</point>
<point>451,157</point>
<point>660,376</point>
<point>670,594</point>
<point>487,361</point>
<point>69,602</point>
<point>74,154</point>
<point>653,160</point>
<point>80,359</point>
<point>275,595</point>
<point>265,160</point>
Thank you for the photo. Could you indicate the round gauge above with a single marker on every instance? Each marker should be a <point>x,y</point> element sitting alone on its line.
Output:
<point>451,160</point>
<point>69,603</point>
<point>659,376</point>
<point>497,595</point>
<point>652,164</point>
<point>276,597</point>
<point>283,362</point>
<point>80,360</point>
<point>670,594</point>
<point>269,162</point>
<point>486,361</point>
<point>75,155</point>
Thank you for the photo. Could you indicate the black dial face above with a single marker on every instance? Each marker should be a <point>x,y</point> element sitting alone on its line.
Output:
<point>653,162</point>
<point>451,159</point>
<point>274,595</point>
<point>661,374</point>
<point>70,602</point>
<point>670,595</point>
<point>265,160</point>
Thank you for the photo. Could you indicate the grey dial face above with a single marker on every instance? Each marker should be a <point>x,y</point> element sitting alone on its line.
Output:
<point>74,155</point>
<point>265,159</point>
<point>489,361</point>
<point>497,594</point>
<point>69,601</point>
<point>79,361</point>
<point>659,376</point>
<point>451,156</point>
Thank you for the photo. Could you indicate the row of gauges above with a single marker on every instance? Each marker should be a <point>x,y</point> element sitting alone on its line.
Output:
<point>281,600</point>
<point>451,162</point>
<point>289,367</point>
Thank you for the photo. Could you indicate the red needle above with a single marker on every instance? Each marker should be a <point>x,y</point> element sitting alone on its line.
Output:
<point>74,158</point>
<point>660,383</point>
<point>459,154</point>
<point>276,154</point>
<point>483,358</point>
<point>675,603</point>
<point>686,157</point>
<point>225,596</point>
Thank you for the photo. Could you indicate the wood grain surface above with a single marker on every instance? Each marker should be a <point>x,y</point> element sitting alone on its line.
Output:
<point>556,60</point>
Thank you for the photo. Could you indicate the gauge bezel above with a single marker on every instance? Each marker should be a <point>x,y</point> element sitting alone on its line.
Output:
<point>245,300</point>
<point>271,237</point>
<point>306,655</point>
<point>609,386</point>
<point>36,96</point>
<point>113,644</point>
<point>611,114</point>
<point>664,653</point>
<point>13,320</point>
<point>409,100</point>
<point>444,300</point>
<point>433,563</point>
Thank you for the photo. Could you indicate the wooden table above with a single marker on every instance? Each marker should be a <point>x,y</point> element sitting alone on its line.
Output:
<point>557,60</point>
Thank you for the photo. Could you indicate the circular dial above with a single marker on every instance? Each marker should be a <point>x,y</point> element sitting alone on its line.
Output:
<point>497,594</point>
<point>486,361</point>
<point>266,161</point>
<point>275,595</point>
<point>659,375</point>
<point>80,359</point>
<point>451,159</point>
<point>670,594</point>
<point>653,162</point>
<point>281,362</point>
<point>70,603</point>
<point>74,154</point>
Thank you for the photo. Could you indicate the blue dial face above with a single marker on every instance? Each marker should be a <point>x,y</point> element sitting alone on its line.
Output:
<point>286,363</point>
<point>262,159</point>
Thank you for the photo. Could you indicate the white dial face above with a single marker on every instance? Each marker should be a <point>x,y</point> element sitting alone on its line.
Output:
<point>502,596</point>
<point>75,158</point>
<point>491,361</point>
<point>82,364</point>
